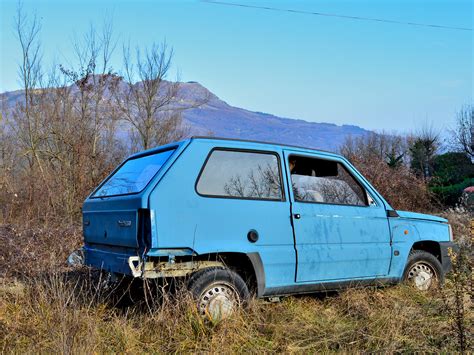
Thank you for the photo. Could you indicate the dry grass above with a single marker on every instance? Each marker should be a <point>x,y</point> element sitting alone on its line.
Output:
<point>68,311</point>
<point>53,314</point>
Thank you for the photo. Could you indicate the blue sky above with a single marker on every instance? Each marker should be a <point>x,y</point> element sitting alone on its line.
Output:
<point>323,69</point>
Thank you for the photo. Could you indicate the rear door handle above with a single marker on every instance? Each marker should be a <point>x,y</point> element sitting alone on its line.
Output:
<point>297,216</point>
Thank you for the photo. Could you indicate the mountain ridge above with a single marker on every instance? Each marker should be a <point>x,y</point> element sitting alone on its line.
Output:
<point>217,117</point>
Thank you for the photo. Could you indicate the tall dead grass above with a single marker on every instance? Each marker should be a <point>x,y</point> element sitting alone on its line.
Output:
<point>47,307</point>
<point>458,293</point>
<point>62,315</point>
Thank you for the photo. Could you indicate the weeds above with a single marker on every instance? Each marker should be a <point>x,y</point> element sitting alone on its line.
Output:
<point>458,295</point>
<point>64,313</point>
<point>47,307</point>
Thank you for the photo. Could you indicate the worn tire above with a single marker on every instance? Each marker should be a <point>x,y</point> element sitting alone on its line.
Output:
<point>218,291</point>
<point>420,264</point>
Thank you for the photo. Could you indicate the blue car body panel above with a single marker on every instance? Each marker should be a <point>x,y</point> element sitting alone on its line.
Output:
<point>327,244</point>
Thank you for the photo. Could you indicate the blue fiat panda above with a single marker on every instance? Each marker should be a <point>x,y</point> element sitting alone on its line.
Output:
<point>236,218</point>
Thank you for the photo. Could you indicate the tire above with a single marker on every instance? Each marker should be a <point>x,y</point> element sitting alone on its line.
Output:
<point>423,271</point>
<point>218,292</point>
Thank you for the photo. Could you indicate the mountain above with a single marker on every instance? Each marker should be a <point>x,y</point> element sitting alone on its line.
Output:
<point>226,121</point>
<point>218,118</point>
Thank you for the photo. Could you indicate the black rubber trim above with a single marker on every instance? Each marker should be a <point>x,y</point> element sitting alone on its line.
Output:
<point>259,272</point>
<point>392,213</point>
<point>327,286</point>
<point>445,258</point>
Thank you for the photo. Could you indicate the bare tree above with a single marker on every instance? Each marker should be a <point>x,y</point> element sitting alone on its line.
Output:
<point>82,125</point>
<point>391,148</point>
<point>27,119</point>
<point>150,103</point>
<point>463,135</point>
<point>65,126</point>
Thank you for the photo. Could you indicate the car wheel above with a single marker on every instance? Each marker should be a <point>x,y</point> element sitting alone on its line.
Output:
<point>423,271</point>
<point>218,292</point>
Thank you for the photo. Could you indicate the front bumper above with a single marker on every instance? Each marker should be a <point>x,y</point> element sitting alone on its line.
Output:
<point>448,249</point>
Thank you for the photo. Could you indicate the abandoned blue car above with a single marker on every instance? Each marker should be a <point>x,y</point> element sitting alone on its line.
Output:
<point>236,218</point>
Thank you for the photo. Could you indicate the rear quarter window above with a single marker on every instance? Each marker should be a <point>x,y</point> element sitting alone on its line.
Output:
<point>134,175</point>
<point>241,174</point>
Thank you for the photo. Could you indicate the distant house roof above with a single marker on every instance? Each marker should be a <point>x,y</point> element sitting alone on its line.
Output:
<point>469,189</point>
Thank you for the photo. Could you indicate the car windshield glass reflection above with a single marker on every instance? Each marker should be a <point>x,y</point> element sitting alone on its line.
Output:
<point>134,175</point>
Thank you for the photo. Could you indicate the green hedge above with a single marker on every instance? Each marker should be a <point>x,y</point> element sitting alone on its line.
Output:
<point>450,195</point>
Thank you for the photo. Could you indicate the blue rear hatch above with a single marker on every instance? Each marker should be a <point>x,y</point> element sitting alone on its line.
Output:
<point>116,216</point>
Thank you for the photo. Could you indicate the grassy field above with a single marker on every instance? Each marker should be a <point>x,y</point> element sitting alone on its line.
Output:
<point>46,307</point>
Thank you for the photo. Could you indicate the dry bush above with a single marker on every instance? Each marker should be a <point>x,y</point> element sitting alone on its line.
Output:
<point>29,251</point>
<point>382,159</point>
<point>402,189</point>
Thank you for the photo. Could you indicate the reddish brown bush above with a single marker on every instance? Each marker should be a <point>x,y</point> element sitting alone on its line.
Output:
<point>29,251</point>
<point>402,189</point>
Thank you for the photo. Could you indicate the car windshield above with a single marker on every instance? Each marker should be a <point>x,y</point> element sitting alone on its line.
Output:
<point>134,175</point>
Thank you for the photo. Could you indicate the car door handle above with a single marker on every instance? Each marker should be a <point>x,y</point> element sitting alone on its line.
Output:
<point>297,216</point>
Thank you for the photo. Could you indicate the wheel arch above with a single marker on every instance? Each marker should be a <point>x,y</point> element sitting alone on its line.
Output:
<point>249,266</point>
<point>430,246</point>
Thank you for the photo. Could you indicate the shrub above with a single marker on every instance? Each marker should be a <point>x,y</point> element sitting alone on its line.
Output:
<point>402,189</point>
<point>451,194</point>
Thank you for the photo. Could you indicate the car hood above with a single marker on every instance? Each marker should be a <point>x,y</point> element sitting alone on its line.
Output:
<point>422,216</point>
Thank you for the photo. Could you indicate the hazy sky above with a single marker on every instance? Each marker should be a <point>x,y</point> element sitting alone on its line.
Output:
<point>324,69</point>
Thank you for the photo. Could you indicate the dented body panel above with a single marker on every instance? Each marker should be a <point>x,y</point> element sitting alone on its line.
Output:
<point>173,226</point>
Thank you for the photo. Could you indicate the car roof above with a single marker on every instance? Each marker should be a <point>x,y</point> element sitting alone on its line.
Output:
<point>269,145</point>
<point>262,143</point>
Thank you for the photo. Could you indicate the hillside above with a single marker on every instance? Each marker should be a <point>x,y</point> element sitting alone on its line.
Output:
<point>220,119</point>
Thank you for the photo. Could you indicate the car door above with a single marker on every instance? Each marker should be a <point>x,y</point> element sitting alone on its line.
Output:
<point>341,232</point>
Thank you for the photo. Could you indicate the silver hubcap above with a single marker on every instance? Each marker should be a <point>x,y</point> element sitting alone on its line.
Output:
<point>422,276</point>
<point>218,300</point>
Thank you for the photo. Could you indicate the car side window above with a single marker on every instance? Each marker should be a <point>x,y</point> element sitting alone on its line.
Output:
<point>324,181</point>
<point>241,174</point>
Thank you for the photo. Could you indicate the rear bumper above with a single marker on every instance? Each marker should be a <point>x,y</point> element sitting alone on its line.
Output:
<point>115,261</point>
<point>446,249</point>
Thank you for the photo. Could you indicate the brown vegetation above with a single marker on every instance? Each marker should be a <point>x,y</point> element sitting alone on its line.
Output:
<point>46,306</point>
<point>56,315</point>
<point>74,124</point>
<point>380,158</point>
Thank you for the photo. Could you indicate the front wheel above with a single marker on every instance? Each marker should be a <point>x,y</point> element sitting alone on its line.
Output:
<point>423,271</point>
<point>218,292</point>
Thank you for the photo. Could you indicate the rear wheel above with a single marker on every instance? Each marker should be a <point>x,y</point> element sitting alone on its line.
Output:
<point>423,271</point>
<point>218,292</point>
